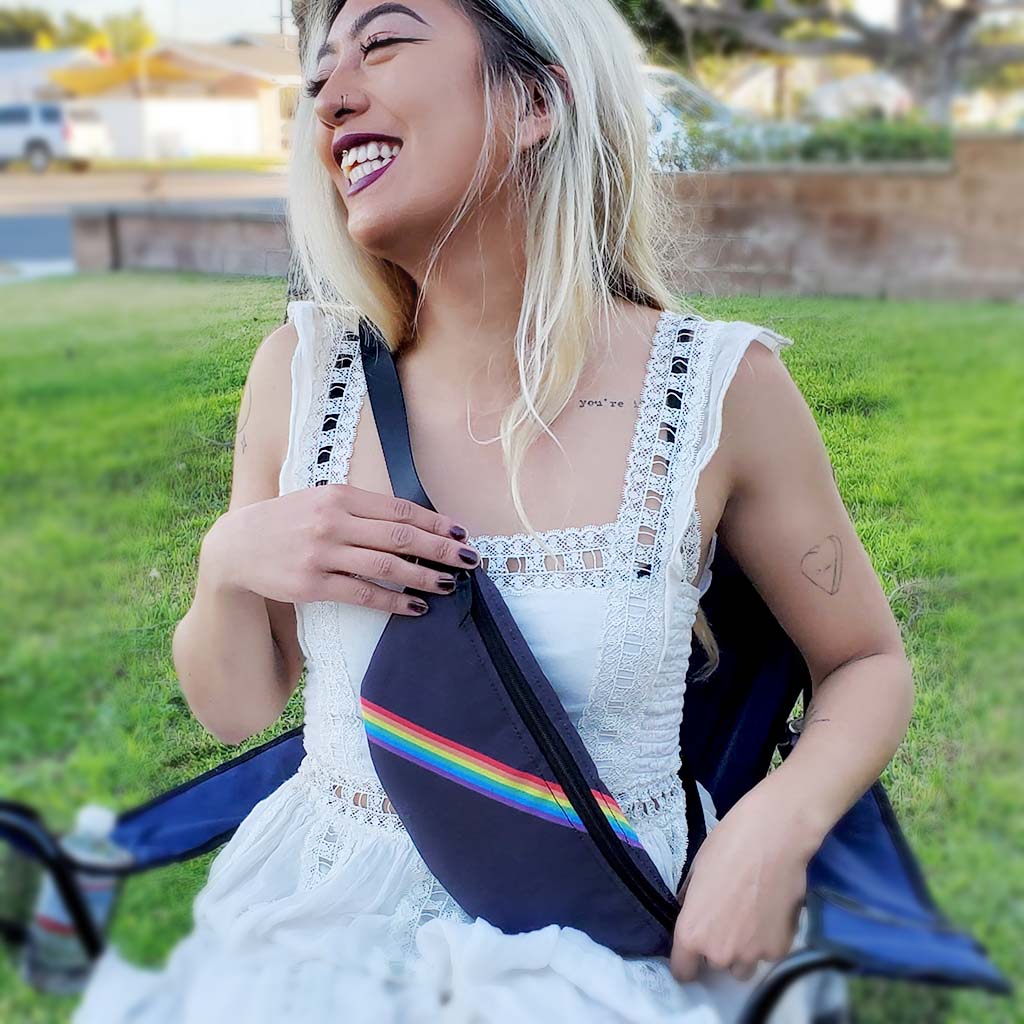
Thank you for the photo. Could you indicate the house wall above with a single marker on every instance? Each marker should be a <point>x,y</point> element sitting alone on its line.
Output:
<point>202,126</point>
<point>271,124</point>
<point>163,127</point>
<point>124,118</point>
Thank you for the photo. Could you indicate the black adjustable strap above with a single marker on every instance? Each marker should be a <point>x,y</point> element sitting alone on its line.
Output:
<point>385,391</point>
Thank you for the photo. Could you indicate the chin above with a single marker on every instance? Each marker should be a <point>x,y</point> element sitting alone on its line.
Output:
<point>380,234</point>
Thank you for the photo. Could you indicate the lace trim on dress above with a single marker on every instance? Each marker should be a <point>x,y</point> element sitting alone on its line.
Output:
<point>344,810</point>
<point>425,900</point>
<point>585,556</point>
<point>339,399</point>
<point>661,806</point>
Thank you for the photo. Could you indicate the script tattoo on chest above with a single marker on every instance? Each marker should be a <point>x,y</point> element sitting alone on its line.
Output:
<point>604,403</point>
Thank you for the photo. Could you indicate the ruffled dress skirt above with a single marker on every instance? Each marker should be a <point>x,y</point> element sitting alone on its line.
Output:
<point>267,948</point>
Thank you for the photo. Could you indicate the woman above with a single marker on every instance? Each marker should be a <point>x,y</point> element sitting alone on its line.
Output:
<point>472,176</point>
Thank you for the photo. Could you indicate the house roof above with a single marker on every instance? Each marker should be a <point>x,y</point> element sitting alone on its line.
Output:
<point>25,60</point>
<point>270,63</point>
<point>282,41</point>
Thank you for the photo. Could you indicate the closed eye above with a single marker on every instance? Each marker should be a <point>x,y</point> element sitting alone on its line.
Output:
<point>375,43</point>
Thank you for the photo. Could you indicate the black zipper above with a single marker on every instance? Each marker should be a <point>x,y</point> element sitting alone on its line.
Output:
<point>567,772</point>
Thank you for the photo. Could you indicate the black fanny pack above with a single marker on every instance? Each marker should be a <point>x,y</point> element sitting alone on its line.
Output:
<point>481,762</point>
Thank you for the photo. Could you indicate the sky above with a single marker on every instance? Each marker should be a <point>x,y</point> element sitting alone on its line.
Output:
<point>200,20</point>
<point>210,20</point>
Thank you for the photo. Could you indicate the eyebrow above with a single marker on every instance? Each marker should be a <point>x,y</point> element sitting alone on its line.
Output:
<point>365,18</point>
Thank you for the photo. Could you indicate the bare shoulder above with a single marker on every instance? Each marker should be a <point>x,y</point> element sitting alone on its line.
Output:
<point>264,411</point>
<point>765,418</point>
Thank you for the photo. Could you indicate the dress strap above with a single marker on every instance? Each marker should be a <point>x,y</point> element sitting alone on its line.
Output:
<point>327,394</point>
<point>722,347</point>
<point>661,434</point>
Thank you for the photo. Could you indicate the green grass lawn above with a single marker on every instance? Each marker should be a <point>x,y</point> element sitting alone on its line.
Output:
<point>119,395</point>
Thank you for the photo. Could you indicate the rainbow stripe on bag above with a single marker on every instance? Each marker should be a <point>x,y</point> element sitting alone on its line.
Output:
<point>483,774</point>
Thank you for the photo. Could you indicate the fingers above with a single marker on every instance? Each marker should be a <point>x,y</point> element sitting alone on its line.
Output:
<point>347,589</point>
<point>742,971</point>
<point>392,569</point>
<point>685,964</point>
<point>402,536</point>
<point>374,505</point>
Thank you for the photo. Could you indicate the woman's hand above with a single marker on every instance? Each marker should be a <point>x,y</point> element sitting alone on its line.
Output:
<point>327,543</point>
<point>741,900</point>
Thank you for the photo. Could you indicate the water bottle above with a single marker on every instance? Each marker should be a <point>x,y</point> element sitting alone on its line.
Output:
<point>54,959</point>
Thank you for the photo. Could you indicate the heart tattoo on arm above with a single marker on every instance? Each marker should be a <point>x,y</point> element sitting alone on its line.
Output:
<point>823,564</point>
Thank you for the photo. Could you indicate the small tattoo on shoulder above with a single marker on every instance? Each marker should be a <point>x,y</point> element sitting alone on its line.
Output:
<point>823,564</point>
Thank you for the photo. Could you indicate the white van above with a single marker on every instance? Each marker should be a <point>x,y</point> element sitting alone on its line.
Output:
<point>41,132</point>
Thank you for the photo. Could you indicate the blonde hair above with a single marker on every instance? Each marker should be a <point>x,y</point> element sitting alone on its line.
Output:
<point>597,224</point>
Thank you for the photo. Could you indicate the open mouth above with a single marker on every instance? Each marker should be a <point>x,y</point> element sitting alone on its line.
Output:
<point>363,164</point>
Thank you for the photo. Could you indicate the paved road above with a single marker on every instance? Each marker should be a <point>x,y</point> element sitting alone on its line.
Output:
<point>35,237</point>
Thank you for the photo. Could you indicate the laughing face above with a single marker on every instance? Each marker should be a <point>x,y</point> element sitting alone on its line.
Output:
<point>401,119</point>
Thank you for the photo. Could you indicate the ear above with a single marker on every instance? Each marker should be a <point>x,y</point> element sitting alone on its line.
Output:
<point>537,122</point>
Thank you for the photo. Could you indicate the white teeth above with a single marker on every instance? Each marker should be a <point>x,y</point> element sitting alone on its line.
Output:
<point>367,168</point>
<point>350,158</point>
<point>358,163</point>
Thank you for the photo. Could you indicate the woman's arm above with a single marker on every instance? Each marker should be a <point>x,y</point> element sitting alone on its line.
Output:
<point>788,529</point>
<point>236,653</point>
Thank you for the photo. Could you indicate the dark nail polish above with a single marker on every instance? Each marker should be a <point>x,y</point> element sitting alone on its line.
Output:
<point>469,557</point>
<point>418,606</point>
<point>458,533</point>
<point>446,583</point>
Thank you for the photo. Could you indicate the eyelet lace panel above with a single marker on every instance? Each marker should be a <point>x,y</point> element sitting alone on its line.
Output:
<point>425,900</point>
<point>585,556</point>
<point>661,805</point>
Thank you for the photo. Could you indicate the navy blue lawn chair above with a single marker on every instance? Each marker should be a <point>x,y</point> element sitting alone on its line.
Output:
<point>869,910</point>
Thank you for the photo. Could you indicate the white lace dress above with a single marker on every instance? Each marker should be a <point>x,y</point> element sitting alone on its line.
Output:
<point>319,908</point>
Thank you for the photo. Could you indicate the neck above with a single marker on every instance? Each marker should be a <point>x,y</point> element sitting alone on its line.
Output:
<point>471,305</point>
